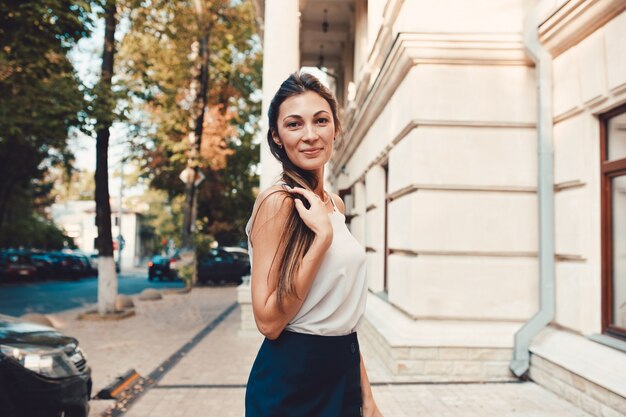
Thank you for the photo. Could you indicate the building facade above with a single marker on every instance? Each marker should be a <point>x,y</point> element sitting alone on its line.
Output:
<point>483,167</point>
<point>77,219</point>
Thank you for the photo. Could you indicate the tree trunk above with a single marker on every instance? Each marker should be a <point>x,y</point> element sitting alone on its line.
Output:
<point>201,102</point>
<point>191,194</point>
<point>107,278</point>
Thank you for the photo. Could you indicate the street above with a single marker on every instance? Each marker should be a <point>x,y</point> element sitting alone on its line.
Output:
<point>55,296</point>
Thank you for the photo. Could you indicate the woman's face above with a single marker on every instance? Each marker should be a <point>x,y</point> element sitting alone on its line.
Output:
<point>306,130</point>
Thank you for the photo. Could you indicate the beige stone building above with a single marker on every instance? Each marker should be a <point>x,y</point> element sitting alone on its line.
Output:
<point>483,166</point>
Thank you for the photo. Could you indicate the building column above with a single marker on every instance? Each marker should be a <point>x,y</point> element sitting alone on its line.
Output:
<point>281,57</point>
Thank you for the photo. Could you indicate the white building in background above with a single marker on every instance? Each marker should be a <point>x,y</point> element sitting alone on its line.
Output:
<point>78,220</point>
<point>483,166</point>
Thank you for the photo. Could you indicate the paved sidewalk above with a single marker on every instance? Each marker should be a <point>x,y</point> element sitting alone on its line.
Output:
<point>210,380</point>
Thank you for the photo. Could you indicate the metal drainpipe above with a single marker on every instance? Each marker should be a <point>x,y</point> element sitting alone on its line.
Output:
<point>543,67</point>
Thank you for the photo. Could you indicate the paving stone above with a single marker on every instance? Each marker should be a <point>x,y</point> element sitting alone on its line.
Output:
<point>210,380</point>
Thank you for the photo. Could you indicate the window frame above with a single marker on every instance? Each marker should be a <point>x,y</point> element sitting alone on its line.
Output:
<point>608,171</point>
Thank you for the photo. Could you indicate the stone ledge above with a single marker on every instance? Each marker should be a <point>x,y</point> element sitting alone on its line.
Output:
<point>577,355</point>
<point>399,330</point>
<point>244,295</point>
<point>579,391</point>
<point>427,351</point>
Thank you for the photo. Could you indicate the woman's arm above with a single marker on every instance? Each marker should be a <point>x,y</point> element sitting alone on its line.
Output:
<point>370,409</point>
<point>269,223</point>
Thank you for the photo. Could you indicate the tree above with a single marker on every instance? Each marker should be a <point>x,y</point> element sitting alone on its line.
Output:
<point>161,59</point>
<point>41,99</point>
<point>104,110</point>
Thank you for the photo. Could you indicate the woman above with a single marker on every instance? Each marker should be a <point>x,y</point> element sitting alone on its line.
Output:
<point>308,272</point>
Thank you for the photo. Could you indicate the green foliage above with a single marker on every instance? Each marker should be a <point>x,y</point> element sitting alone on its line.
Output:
<point>40,100</point>
<point>25,227</point>
<point>160,64</point>
<point>157,68</point>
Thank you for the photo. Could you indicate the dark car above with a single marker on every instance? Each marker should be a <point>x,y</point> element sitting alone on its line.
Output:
<point>42,372</point>
<point>219,265</point>
<point>69,265</point>
<point>3,263</point>
<point>61,265</point>
<point>18,265</point>
<point>162,268</point>
<point>44,265</point>
<point>84,264</point>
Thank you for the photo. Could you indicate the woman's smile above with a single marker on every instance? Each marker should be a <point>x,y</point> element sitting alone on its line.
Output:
<point>313,152</point>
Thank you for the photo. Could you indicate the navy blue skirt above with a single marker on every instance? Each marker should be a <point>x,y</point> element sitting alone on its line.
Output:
<point>303,375</point>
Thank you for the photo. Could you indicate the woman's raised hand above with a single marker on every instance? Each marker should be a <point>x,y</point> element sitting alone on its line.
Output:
<point>316,216</point>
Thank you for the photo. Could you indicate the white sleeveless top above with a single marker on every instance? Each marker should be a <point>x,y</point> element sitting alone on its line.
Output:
<point>336,301</point>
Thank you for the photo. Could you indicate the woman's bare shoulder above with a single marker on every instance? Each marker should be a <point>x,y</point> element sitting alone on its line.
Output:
<point>269,191</point>
<point>274,201</point>
<point>274,196</point>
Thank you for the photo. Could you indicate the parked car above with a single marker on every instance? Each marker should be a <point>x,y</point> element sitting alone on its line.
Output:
<point>162,268</point>
<point>240,254</point>
<point>85,264</point>
<point>19,265</point>
<point>42,372</point>
<point>223,265</point>
<point>44,265</point>
<point>3,263</point>
<point>67,266</point>
<point>93,260</point>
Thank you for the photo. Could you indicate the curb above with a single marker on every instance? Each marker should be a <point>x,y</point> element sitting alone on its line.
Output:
<point>121,383</point>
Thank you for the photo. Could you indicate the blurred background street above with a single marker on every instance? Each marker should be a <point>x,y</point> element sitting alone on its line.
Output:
<point>17,299</point>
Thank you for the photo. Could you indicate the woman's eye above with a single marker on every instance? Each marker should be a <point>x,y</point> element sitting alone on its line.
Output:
<point>322,120</point>
<point>291,125</point>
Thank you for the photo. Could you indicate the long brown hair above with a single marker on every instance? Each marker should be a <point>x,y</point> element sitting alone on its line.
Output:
<point>296,238</point>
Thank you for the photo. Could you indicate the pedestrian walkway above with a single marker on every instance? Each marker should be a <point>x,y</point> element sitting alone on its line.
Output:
<point>210,379</point>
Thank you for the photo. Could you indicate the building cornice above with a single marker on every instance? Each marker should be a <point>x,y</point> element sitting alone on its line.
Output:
<point>410,49</point>
<point>574,21</point>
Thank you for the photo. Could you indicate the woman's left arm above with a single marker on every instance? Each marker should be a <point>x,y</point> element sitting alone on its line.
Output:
<point>370,409</point>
